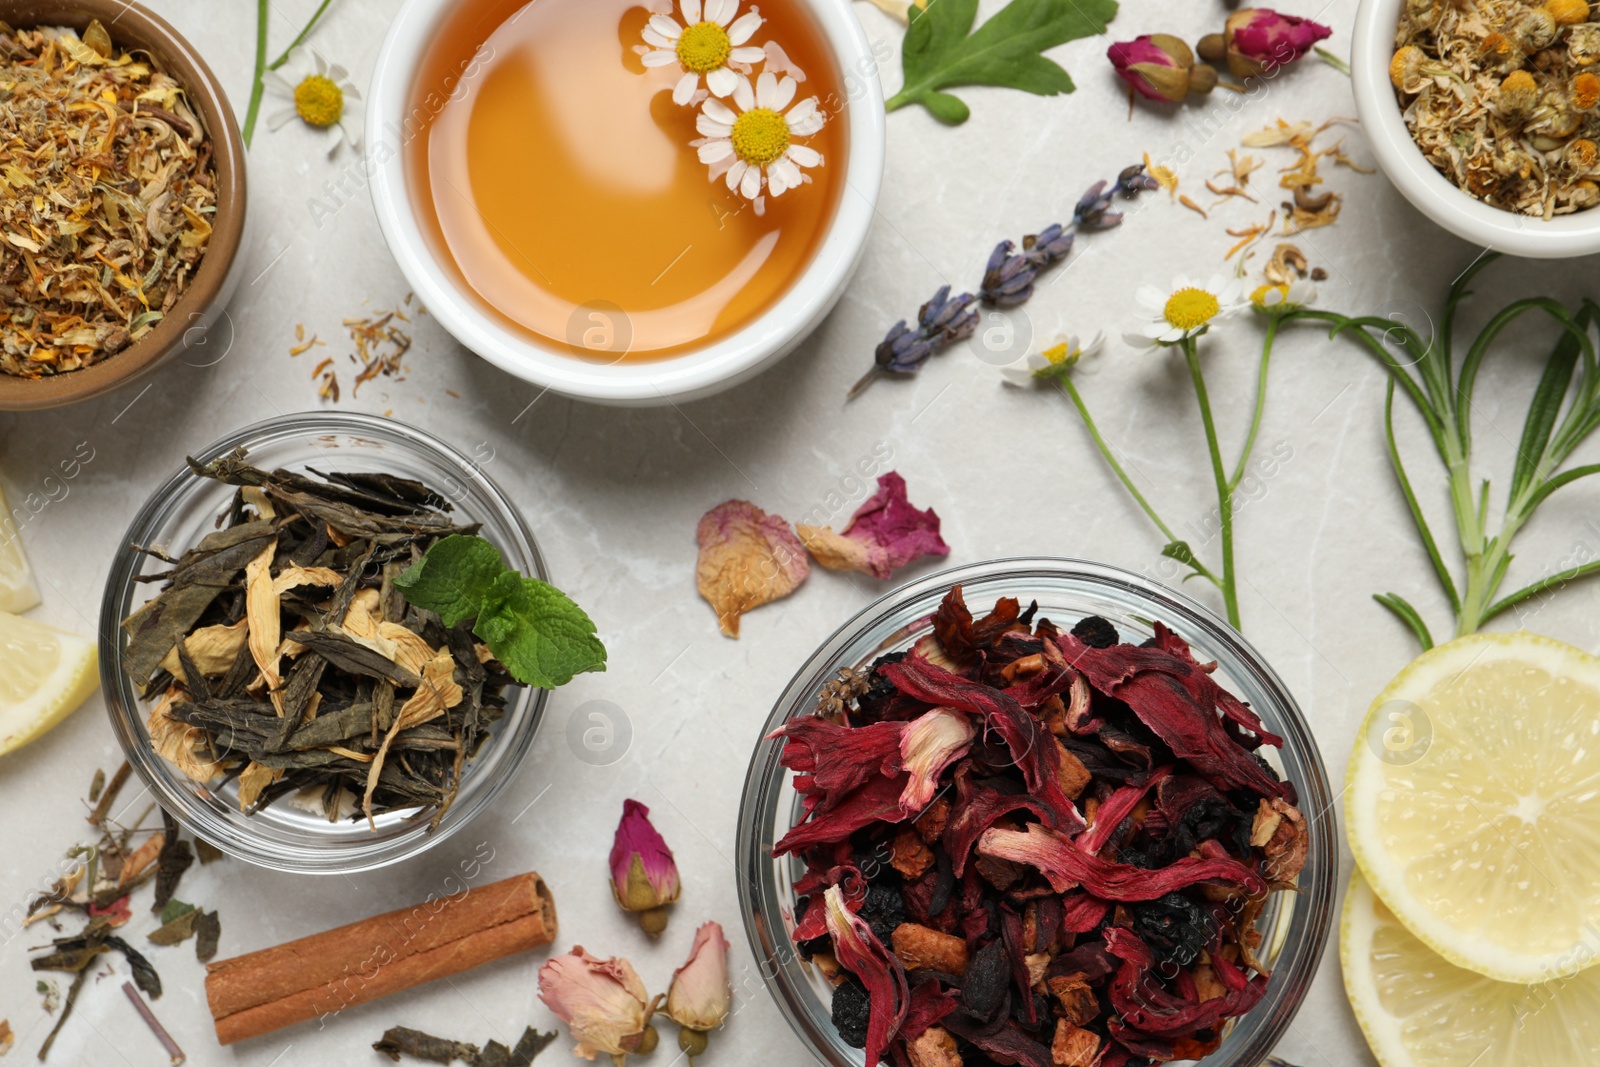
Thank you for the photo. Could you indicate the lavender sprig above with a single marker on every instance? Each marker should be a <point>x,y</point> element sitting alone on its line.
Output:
<point>1008,280</point>
<point>942,321</point>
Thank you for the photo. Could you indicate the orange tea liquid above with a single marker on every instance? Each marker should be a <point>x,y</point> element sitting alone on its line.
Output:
<point>557,178</point>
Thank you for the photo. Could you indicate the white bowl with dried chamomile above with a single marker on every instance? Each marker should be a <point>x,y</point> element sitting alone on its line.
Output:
<point>1486,116</point>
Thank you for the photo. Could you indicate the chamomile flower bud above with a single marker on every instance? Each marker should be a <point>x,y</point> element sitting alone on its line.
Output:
<point>1518,95</point>
<point>1568,12</point>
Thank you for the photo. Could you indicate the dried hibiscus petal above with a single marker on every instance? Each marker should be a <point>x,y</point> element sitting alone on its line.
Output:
<point>884,534</point>
<point>1066,867</point>
<point>1021,732</point>
<point>747,558</point>
<point>861,953</point>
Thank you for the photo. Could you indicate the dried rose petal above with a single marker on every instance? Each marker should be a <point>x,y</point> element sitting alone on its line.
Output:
<point>859,951</point>
<point>747,558</point>
<point>884,534</point>
<point>1066,867</point>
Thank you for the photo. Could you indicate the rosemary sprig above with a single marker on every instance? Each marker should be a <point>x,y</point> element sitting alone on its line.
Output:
<point>1563,413</point>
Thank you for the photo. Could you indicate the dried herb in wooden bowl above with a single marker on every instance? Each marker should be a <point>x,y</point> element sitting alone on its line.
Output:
<point>342,639</point>
<point>1038,847</point>
<point>109,200</point>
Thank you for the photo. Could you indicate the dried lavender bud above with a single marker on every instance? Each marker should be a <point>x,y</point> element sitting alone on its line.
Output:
<point>983,987</point>
<point>1008,278</point>
<point>851,1009</point>
<point>1096,632</point>
<point>1134,180</point>
<point>902,351</point>
<point>945,319</point>
<point>1175,928</point>
<point>1049,245</point>
<point>883,909</point>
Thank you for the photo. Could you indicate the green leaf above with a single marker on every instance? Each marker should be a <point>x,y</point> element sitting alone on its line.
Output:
<point>1543,410</point>
<point>941,50</point>
<point>535,629</point>
<point>453,577</point>
<point>1180,551</point>
<point>1408,615</point>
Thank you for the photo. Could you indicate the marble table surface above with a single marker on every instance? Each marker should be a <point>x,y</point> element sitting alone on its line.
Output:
<point>613,496</point>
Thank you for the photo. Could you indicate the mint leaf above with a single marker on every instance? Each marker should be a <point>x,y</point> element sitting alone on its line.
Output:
<point>535,629</point>
<point>940,50</point>
<point>453,577</point>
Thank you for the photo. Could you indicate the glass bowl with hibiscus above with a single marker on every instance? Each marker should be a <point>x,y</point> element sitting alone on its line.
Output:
<point>1293,926</point>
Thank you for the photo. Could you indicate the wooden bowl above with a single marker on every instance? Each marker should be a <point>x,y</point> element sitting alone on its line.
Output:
<point>135,28</point>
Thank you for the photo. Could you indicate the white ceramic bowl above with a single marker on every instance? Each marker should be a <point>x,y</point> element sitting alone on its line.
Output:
<point>739,356</point>
<point>1430,192</point>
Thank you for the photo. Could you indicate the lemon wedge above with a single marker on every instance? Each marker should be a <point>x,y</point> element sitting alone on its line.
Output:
<point>44,675</point>
<point>1473,804</point>
<point>18,592</point>
<point>1417,1010</point>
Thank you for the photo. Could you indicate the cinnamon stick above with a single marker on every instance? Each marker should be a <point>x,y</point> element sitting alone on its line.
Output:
<point>325,973</point>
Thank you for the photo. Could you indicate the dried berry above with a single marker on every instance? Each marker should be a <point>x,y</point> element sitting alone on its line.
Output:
<point>884,909</point>
<point>983,987</point>
<point>1175,927</point>
<point>1095,632</point>
<point>851,1009</point>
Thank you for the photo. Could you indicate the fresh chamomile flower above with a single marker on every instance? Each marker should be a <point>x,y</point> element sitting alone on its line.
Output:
<point>757,135</point>
<point>1187,310</point>
<point>1275,299</point>
<point>1051,362</point>
<point>709,43</point>
<point>320,97</point>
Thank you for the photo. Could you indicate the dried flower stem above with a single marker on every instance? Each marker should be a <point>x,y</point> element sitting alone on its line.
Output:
<point>256,87</point>
<point>1229,583</point>
<point>173,1051</point>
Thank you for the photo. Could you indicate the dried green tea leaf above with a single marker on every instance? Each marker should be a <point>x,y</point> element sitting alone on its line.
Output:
<point>398,1040</point>
<point>207,931</point>
<point>350,655</point>
<point>175,908</point>
<point>208,852</point>
<point>177,929</point>
<point>175,858</point>
<point>529,1045</point>
<point>453,577</point>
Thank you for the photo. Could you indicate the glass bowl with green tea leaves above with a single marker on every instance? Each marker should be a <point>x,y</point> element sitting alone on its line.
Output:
<point>324,644</point>
<point>1073,818</point>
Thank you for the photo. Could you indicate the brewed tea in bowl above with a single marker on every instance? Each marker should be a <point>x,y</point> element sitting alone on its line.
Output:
<point>621,202</point>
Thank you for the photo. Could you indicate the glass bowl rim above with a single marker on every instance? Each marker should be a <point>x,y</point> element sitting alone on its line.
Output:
<point>124,708</point>
<point>1306,939</point>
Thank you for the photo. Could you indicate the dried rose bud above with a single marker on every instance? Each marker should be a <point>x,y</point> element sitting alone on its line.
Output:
<point>700,995</point>
<point>1258,40</point>
<point>644,877</point>
<point>603,1003</point>
<point>1156,65</point>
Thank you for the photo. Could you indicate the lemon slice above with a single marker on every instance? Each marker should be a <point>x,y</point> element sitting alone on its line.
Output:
<point>44,675</point>
<point>18,592</point>
<point>1473,804</point>
<point>1419,1011</point>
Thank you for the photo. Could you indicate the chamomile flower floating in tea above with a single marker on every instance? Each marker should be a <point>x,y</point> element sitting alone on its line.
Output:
<point>1051,362</point>
<point>1187,311</point>
<point>320,97</point>
<point>759,136</point>
<point>710,43</point>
